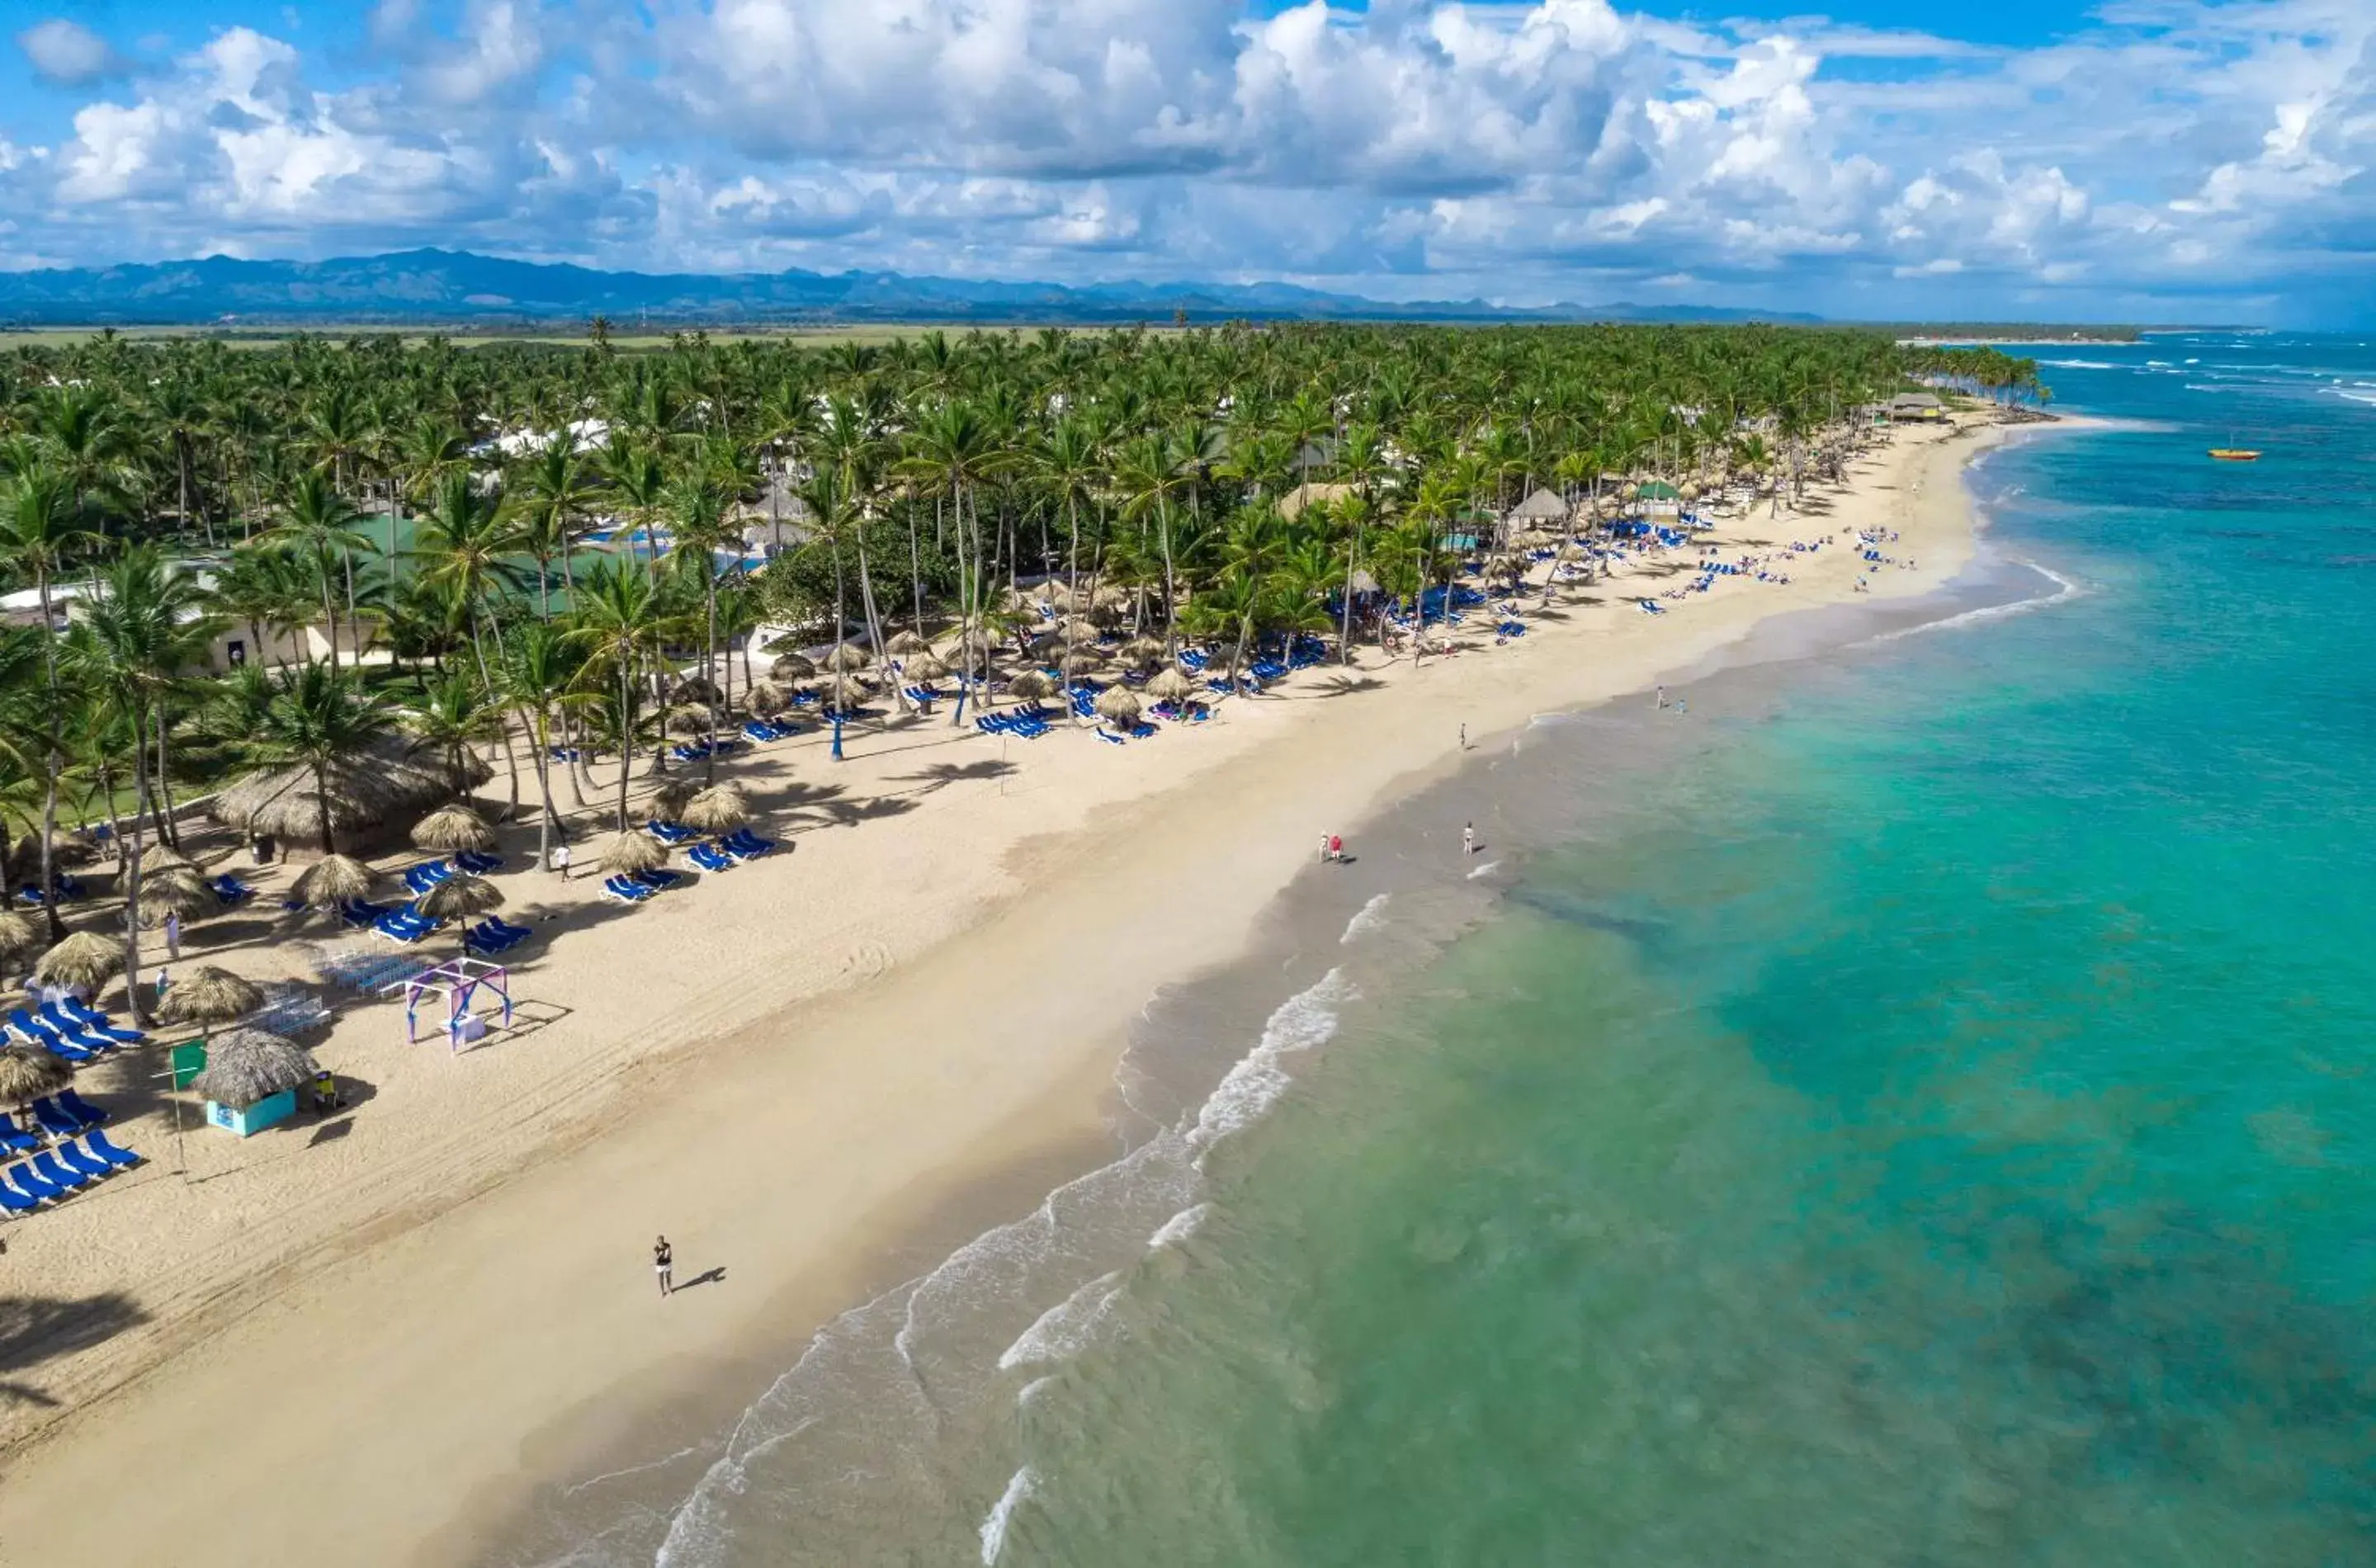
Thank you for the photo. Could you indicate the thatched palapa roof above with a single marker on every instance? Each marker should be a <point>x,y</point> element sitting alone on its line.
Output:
<point>208,994</point>
<point>26,1074</point>
<point>85,959</point>
<point>1542,506</point>
<point>248,1066</point>
<point>378,785</point>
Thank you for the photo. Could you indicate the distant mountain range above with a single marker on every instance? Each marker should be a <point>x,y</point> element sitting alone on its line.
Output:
<point>433,287</point>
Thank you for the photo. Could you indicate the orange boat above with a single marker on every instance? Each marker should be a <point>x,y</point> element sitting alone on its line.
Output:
<point>2234,454</point>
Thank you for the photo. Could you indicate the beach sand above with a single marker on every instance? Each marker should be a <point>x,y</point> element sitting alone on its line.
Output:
<point>816,1073</point>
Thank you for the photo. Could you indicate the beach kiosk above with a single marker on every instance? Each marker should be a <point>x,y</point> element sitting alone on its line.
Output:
<point>447,994</point>
<point>251,1080</point>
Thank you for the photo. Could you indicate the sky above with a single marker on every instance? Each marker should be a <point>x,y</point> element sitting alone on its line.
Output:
<point>2154,160</point>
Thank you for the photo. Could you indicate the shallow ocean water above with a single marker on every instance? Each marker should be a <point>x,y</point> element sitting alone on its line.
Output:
<point>1916,1108</point>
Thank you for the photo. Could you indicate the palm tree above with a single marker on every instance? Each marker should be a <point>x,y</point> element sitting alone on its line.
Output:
<point>319,716</point>
<point>554,486</point>
<point>42,530</point>
<point>465,542</point>
<point>619,625</point>
<point>317,527</point>
<point>538,671</point>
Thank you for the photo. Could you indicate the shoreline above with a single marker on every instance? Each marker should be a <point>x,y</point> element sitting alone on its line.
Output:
<point>990,1077</point>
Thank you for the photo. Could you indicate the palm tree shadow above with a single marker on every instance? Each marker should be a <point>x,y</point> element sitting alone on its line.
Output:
<point>34,1329</point>
<point>941,775</point>
<point>1344,687</point>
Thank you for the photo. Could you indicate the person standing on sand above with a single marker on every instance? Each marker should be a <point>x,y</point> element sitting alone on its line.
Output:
<point>561,859</point>
<point>1662,698</point>
<point>1324,849</point>
<point>1464,737</point>
<point>1469,839</point>
<point>1336,847</point>
<point>173,937</point>
<point>664,1265</point>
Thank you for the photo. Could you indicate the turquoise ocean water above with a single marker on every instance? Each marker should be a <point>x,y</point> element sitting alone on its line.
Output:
<point>1919,1111</point>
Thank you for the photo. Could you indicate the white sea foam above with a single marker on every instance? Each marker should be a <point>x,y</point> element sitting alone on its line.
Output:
<point>2064,590</point>
<point>1255,1084</point>
<point>993,1529</point>
<point>1179,1226</point>
<point>2366,398</point>
<point>1067,1328</point>
<point>1030,1391</point>
<point>1480,871</point>
<point>1367,919</point>
<point>2080,365</point>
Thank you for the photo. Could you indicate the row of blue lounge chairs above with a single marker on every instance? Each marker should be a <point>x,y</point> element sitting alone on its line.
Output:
<point>1031,723</point>
<point>494,935</point>
<point>634,887</point>
<point>729,851</point>
<point>759,730</point>
<point>699,751</point>
<point>55,1173</point>
<point>60,1116</point>
<point>69,889</point>
<point>76,1035</point>
<point>429,873</point>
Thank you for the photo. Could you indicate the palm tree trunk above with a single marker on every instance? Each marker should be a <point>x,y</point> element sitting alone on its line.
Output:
<point>53,765</point>
<point>166,831</point>
<point>709,663</point>
<point>132,878</point>
<point>916,562</point>
<point>626,738</point>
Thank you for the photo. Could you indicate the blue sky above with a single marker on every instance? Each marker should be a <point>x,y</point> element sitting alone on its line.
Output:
<point>2163,159</point>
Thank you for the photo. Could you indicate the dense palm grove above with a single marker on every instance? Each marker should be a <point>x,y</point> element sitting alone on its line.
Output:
<point>429,505</point>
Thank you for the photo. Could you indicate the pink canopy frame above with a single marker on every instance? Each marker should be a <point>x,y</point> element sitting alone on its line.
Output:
<point>456,983</point>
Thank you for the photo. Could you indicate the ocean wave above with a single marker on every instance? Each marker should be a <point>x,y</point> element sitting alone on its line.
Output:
<point>2080,365</point>
<point>1001,1512</point>
<point>1480,871</point>
<point>1367,919</point>
<point>2064,591</point>
<point>1179,1226</point>
<point>1255,1085</point>
<point>2366,398</point>
<point>1067,1328</point>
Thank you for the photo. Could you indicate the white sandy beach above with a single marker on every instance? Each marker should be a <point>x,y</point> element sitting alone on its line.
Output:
<point>350,1349</point>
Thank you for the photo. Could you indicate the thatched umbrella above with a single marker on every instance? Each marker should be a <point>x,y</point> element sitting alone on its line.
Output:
<point>697,689</point>
<point>632,853</point>
<point>26,1075</point>
<point>83,961</point>
<point>1079,628</point>
<point>460,898</point>
<point>163,858</point>
<point>924,666</point>
<point>905,643</point>
<point>453,828</point>
<point>1083,662</point>
<point>721,808</point>
<point>333,881</point>
<point>19,935</point>
<point>207,996</point>
<point>1172,685</point>
<point>1110,598</point>
<point>668,799</point>
<point>248,1065</point>
<point>1029,686</point>
<point>793,667</point>
<point>378,783</point>
<point>178,893</point>
<point>1143,650</point>
<point>1117,705</point>
<point>767,699</point>
<point>688,720</point>
<point>847,656</point>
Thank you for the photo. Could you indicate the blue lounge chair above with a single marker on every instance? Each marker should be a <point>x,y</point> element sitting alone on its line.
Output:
<point>14,1202</point>
<point>231,890</point>
<point>56,1174</point>
<point>761,732</point>
<point>81,1109</point>
<point>669,833</point>
<point>49,1036</point>
<point>1109,738</point>
<point>426,876</point>
<point>709,857</point>
<point>15,1142</point>
<point>33,1184</point>
<point>626,890</point>
<point>54,1119</point>
<point>476,863</point>
<point>564,753</point>
<point>86,1024</point>
<point>1143,731</point>
<point>97,1142</point>
<point>659,880</point>
<point>744,844</point>
<point>361,912</point>
<point>89,1166</point>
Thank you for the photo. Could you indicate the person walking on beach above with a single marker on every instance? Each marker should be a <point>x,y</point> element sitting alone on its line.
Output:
<point>664,1265</point>
<point>1336,847</point>
<point>173,937</point>
<point>1469,839</point>
<point>1662,698</point>
<point>561,859</point>
<point>1324,849</point>
<point>1464,737</point>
